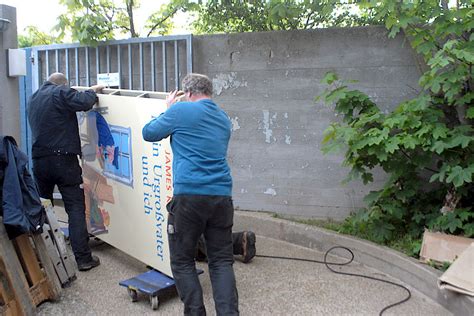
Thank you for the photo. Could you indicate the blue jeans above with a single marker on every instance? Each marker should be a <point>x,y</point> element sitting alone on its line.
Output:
<point>65,172</point>
<point>213,216</point>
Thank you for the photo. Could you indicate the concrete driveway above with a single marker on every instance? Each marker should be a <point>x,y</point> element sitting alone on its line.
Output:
<point>266,287</point>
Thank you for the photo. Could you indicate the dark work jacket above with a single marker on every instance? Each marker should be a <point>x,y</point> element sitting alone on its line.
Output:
<point>20,203</point>
<point>52,116</point>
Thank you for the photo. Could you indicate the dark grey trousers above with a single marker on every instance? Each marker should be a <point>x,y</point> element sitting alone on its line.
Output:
<point>190,216</point>
<point>65,172</point>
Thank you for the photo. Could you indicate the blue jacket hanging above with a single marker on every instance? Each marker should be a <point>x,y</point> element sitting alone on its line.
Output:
<point>20,202</point>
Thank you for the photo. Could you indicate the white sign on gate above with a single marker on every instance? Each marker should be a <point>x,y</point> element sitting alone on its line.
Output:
<point>109,79</point>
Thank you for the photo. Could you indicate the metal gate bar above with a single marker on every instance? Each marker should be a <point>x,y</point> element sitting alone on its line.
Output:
<point>104,56</point>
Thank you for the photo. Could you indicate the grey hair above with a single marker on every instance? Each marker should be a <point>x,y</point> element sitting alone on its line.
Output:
<point>58,79</point>
<point>197,84</point>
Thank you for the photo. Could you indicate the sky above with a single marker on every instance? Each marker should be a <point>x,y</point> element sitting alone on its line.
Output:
<point>43,13</point>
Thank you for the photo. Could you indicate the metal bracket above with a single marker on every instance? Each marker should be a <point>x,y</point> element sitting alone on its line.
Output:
<point>101,109</point>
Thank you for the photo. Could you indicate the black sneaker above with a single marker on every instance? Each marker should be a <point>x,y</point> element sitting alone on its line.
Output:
<point>248,246</point>
<point>89,265</point>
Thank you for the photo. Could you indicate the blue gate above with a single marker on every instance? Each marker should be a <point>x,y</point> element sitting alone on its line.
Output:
<point>151,64</point>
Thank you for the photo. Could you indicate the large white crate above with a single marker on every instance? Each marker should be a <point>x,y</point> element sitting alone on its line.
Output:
<point>126,195</point>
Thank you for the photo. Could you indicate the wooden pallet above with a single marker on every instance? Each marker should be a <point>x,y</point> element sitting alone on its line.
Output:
<point>67,258</point>
<point>58,251</point>
<point>27,276</point>
<point>8,304</point>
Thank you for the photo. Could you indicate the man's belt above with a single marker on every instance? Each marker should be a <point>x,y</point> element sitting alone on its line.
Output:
<point>53,152</point>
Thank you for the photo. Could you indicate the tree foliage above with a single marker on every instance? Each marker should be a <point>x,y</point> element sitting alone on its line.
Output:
<point>425,144</point>
<point>91,21</point>
<point>217,16</point>
<point>160,22</point>
<point>35,37</point>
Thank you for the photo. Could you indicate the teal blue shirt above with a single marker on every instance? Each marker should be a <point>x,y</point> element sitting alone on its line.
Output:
<point>200,133</point>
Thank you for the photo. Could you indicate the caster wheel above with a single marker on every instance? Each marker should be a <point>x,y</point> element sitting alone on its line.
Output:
<point>133,295</point>
<point>154,302</point>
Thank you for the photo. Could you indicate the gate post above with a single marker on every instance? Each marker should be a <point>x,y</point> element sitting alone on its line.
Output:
<point>25,91</point>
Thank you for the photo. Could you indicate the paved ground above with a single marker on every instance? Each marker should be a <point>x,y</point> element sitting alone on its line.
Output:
<point>266,287</point>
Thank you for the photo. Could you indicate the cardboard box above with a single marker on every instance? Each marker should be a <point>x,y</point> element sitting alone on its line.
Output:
<point>460,275</point>
<point>440,247</point>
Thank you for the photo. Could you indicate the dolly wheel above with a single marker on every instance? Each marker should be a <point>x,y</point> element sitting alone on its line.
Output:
<point>154,302</point>
<point>133,294</point>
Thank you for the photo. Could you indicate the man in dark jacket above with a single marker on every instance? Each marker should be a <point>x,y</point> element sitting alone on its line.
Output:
<point>56,147</point>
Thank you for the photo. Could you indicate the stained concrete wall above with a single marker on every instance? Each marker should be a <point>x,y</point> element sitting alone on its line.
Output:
<point>267,83</point>
<point>9,98</point>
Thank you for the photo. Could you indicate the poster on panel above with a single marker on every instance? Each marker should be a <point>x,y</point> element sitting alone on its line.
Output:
<point>127,181</point>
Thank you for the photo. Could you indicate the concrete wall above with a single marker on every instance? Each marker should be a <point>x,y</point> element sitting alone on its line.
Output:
<point>9,98</point>
<point>267,83</point>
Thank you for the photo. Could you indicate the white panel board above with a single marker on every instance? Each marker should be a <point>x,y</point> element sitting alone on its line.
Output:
<point>127,181</point>
<point>16,62</point>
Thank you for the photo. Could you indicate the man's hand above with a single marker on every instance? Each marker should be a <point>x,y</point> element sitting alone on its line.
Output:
<point>97,88</point>
<point>173,96</point>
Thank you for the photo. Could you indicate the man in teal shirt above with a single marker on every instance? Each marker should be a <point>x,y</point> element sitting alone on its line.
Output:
<point>202,202</point>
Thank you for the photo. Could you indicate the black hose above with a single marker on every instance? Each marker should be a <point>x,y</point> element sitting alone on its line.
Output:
<point>329,264</point>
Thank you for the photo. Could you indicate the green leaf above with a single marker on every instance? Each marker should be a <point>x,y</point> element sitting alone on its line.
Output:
<point>367,177</point>
<point>470,113</point>
<point>434,177</point>
<point>409,142</point>
<point>383,231</point>
<point>361,216</point>
<point>329,134</point>
<point>460,140</point>
<point>458,176</point>
<point>469,230</point>
<point>435,86</point>
<point>423,131</point>
<point>393,121</point>
<point>336,94</point>
<point>392,145</point>
<point>454,224</point>
<point>464,55</point>
<point>373,196</point>
<point>438,147</point>
<point>464,214</point>
<point>440,131</point>
<point>449,44</point>
<point>329,78</point>
<point>394,31</point>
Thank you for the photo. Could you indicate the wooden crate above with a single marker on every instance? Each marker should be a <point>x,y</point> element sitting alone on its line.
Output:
<point>39,284</point>
<point>8,304</point>
<point>27,277</point>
